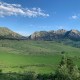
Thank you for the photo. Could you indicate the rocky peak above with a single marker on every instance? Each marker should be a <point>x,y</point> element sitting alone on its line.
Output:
<point>59,34</point>
<point>74,31</point>
<point>60,31</point>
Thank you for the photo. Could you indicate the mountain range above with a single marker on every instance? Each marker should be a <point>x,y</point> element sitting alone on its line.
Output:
<point>60,34</point>
<point>56,35</point>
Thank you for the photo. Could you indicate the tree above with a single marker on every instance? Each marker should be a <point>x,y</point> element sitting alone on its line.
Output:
<point>67,70</point>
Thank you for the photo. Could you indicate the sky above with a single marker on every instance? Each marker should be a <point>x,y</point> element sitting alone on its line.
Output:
<point>28,16</point>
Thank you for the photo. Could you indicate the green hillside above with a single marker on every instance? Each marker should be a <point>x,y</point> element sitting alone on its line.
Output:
<point>6,33</point>
<point>38,56</point>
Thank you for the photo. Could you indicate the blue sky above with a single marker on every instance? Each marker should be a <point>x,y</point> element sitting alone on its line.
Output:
<point>28,16</point>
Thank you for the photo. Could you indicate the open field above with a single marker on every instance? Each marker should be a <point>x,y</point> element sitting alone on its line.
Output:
<point>38,56</point>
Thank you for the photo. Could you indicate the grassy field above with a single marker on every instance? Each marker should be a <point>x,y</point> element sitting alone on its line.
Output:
<point>38,56</point>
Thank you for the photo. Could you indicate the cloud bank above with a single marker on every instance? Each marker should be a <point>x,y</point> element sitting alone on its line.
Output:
<point>16,9</point>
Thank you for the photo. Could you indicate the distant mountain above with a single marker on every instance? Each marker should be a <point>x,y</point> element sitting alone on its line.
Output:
<point>6,33</point>
<point>56,35</point>
<point>60,34</point>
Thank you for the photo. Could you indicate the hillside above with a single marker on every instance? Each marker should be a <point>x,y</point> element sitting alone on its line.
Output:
<point>6,33</point>
<point>38,56</point>
<point>38,47</point>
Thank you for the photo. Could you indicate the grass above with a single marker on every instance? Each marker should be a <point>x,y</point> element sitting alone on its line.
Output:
<point>38,56</point>
<point>16,62</point>
<point>28,60</point>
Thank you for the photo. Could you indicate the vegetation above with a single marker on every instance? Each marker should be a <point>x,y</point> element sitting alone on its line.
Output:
<point>6,33</point>
<point>38,56</point>
<point>66,70</point>
<point>38,60</point>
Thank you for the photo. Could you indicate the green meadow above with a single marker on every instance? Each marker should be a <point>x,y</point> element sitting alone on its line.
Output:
<point>37,56</point>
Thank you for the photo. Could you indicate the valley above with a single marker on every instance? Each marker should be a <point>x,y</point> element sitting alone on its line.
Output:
<point>38,56</point>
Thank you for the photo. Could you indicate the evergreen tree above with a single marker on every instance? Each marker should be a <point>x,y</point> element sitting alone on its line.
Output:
<point>67,70</point>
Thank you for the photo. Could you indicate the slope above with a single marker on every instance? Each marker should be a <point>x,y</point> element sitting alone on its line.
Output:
<point>38,56</point>
<point>6,33</point>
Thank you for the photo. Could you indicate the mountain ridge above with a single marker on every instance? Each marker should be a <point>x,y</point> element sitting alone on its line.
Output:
<point>58,34</point>
<point>6,33</point>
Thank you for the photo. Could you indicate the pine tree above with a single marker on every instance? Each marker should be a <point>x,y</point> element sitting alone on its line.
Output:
<point>67,70</point>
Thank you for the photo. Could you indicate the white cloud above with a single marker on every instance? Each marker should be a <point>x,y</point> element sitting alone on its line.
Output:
<point>16,9</point>
<point>74,17</point>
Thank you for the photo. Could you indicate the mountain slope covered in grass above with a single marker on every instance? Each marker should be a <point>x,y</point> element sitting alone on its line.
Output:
<point>38,56</point>
<point>38,47</point>
<point>6,33</point>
